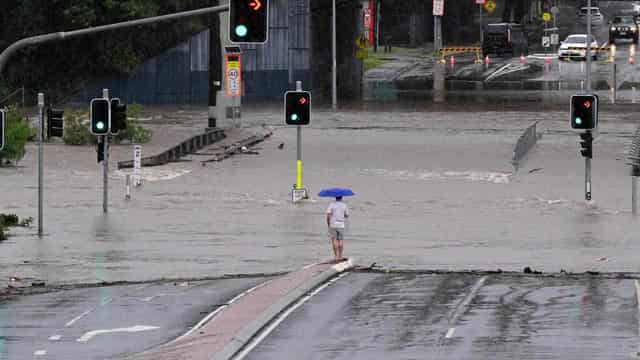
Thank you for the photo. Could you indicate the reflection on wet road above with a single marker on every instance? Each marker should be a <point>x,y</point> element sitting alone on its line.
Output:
<point>416,316</point>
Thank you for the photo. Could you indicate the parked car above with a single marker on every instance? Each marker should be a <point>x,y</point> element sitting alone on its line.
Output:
<point>596,15</point>
<point>575,46</point>
<point>504,38</point>
<point>623,27</point>
<point>636,9</point>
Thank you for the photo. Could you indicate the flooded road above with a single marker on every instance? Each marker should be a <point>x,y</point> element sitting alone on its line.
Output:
<point>434,191</point>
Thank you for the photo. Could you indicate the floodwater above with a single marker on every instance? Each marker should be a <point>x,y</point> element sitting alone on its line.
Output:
<point>435,190</point>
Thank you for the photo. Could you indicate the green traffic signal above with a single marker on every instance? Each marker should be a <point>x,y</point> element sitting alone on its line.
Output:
<point>578,121</point>
<point>294,117</point>
<point>100,125</point>
<point>241,31</point>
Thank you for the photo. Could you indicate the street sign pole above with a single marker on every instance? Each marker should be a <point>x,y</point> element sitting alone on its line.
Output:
<point>481,34</point>
<point>40,160</point>
<point>105,171</point>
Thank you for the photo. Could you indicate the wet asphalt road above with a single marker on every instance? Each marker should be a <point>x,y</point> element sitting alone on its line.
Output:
<point>108,322</point>
<point>415,316</point>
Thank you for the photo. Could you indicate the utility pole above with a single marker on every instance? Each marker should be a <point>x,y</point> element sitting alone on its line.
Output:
<point>105,162</point>
<point>215,65</point>
<point>334,55</point>
<point>481,34</point>
<point>40,160</point>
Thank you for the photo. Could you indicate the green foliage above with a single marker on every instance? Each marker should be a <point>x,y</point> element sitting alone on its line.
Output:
<point>17,133</point>
<point>76,129</point>
<point>11,220</point>
<point>7,220</point>
<point>134,132</point>
<point>63,67</point>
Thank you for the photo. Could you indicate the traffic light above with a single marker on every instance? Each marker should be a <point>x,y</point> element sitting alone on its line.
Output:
<point>586,143</point>
<point>2,121</point>
<point>55,123</point>
<point>100,116</point>
<point>584,112</point>
<point>297,106</point>
<point>118,116</point>
<point>248,21</point>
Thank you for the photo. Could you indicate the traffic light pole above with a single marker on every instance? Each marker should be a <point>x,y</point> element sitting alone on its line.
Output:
<point>58,36</point>
<point>588,46</point>
<point>299,148</point>
<point>40,160</point>
<point>587,176</point>
<point>105,172</point>
<point>334,65</point>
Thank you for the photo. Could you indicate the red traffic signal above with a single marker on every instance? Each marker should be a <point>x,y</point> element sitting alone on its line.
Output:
<point>248,21</point>
<point>255,5</point>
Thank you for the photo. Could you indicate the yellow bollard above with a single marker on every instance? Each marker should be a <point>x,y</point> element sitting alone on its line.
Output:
<point>299,174</point>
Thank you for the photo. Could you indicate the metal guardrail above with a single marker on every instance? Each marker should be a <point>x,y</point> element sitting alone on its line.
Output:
<point>634,154</point>
<point>526,142</point>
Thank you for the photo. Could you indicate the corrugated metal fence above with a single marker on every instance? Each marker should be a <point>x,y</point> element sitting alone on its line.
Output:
<point>181,74</point>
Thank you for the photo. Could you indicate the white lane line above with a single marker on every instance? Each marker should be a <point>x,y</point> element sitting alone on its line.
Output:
<point>638,294</point>
<point>87,336</point>
<point>55,337</point>
<point>462,306</point>
<point>450,333</point>
<point>77,318</point>
<point>40,353</point>
<point>256,341</point>
<point>148,298</point>
<point>215,312</point>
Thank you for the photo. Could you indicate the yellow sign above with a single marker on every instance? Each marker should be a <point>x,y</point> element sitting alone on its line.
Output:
<point>546,17</point>
<point>490,6</point>
<point>361,42</point>
<point>233,72</point>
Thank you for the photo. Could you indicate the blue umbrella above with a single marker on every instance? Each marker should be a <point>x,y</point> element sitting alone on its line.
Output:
<point>335,192</point>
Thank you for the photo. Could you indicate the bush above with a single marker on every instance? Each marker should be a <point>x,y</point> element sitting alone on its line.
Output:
<point>76,129</point>
<point>10,220</point>
<point>17,133</point>
<point>134,132</point>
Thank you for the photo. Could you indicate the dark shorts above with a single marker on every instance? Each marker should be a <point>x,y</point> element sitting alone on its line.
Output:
<point>336,233</point>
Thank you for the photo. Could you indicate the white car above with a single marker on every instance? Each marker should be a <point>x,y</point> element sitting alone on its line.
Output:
<point>596,15</point>
<point>575,46</point>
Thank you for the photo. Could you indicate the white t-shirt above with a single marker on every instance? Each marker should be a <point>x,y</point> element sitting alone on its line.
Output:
<point>339,212</point>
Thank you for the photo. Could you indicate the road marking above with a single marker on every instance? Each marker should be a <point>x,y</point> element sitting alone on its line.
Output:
<point>256,341</point>
<point>40,353</point>
<point>87,336</point>
<point>215,312</point>
<point>461,308</point>
<point>77,318</point>
<point>638,294</point>
<point>55,337</point>
<point>148,298</point>
<point>450,333</point>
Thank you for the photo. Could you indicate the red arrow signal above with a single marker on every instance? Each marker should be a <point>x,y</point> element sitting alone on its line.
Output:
<point>587,104</point>
<point>302,101</point>
<point>255,5</point>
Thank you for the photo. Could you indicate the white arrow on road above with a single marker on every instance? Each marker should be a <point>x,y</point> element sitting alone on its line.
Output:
<point>87,336</point>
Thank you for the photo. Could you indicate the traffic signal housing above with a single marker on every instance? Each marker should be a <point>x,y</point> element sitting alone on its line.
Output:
<point>584,112</point>
<point>100,112</point>
<point>586,143</point>
<point>55,123</point>
<point>297,106</point>
<point>118,116</point>
<point>248,21</point>
<point>2,127</point>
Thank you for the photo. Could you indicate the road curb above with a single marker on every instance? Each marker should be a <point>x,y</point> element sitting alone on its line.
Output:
<point>250,331</point>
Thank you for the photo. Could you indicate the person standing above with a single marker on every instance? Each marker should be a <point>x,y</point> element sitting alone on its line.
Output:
<point>337,213</point>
